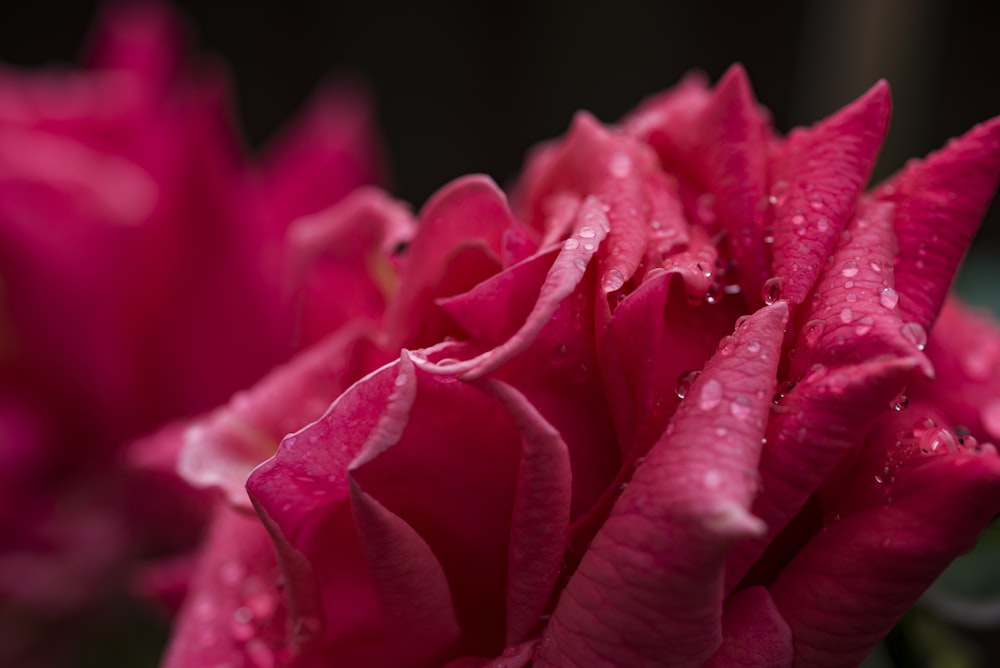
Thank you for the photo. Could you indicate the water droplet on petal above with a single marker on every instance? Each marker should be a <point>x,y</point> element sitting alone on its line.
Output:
<point>753,347</point>
<point>823,224</point>
<point>846,315</point>
<point>685,381</point>
<point>613,280</point>
<point>888,298</point>
<point>740,408</point>
<point>915,334</point>
<point>771,292</point>
<point>876,267</point>
<point>813,330</point>
<point>711,395</point>
<point>864,325</point>
<point>798,219</point>
<point>571,243</point>
<point>899,403</point>
<point>587,233</point>
<point>850,269</point>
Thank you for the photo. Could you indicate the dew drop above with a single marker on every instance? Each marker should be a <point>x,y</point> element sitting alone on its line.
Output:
<point>851,296</point>
<point>587,233</point>
<point>879,479</point>
<point>813,330</point>
<point>684,382</point>
<point>771,292</point>
<point>876,267</point>
<point>798,219</point>
<point>823,224</point>
<point>850,269</point>
<point>864,325</point>
<point>915,334</point>
<point>740,408</point>
<point>754,347</point>
<point>587,246</point>
<point>888,298</point>
<point>899,403</point>
<point>816,202</point>
<point>571,243</point>
<point>613,280</point>
<point>711,395</point>
<point>846,316</point>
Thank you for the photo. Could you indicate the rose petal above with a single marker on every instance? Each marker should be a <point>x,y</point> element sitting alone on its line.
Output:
<point>753,633</point>
<point>817,177</point>
<point>410,582</point>
<point>939,203</point>
<point>650,584</point>
<point>540,523</point>
<point>233,612</point>
<point>857,575</point>
<point>852,316</point>
<point>814,427</point>
<point>330,149</point>
<point>734,170</point>
<point>965,350</point>
<point>562,279</point>
<point>469,213</point>
<point>220,450</point>
<point>340,262</point>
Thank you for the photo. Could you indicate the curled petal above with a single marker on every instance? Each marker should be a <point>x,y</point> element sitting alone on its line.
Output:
<point>650,585</point>
<point>887,541</point>
<point>562,279</point>
<point>853,315</point>
<point>754,634</point>
<point>233,613</point>
<point>223,448</point>
<point>540,523</point>
<point>459,244</point>
<point>818,175</point>
<point>939,204</point>
<point>814,428</point>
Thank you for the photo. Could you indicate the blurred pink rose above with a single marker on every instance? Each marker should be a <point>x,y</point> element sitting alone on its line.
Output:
<point>654,413</point>
<point>142,279</point>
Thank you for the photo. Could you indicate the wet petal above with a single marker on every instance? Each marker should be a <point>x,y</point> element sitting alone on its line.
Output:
<point>813,428</point>
<point>853,315</point>
<point>940,201</point>
<point>650,585</point>
<point>565,274</point>
<point>459,243</point>
<point>888,541</point>
<point>220,450</point>
<point>234,612</point>
<point>818,175</point>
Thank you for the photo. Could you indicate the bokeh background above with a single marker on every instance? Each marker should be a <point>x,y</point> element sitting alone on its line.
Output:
<point>470,86</point>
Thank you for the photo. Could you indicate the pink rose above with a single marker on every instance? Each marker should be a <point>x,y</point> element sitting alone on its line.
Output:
<point>139,249</point>
<point>653,413</point>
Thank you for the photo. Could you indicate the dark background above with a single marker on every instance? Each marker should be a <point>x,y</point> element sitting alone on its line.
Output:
<point>470,86</point>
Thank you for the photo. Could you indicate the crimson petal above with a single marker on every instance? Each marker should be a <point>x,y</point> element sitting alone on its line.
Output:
<point>817,177</point>
<point>887,542</point>
<point>939,204</point>
<point>649,589</point>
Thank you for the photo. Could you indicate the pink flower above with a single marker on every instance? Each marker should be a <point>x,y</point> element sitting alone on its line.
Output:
<point>654,413</point>
<point>142,266</point>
